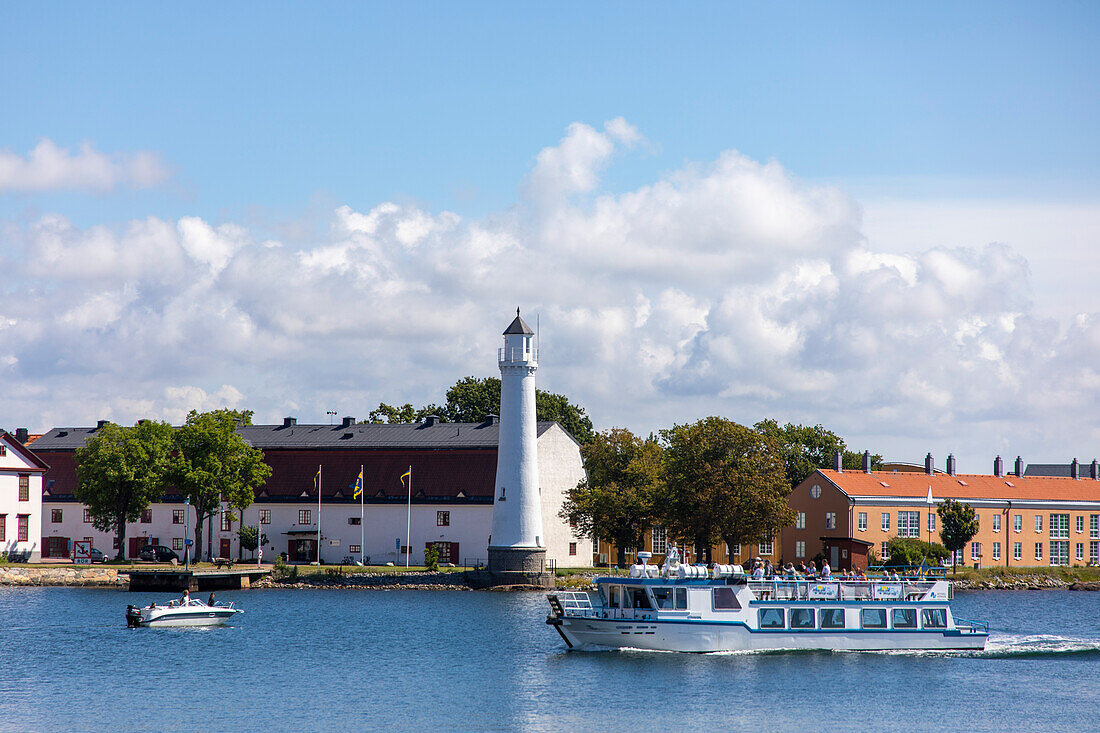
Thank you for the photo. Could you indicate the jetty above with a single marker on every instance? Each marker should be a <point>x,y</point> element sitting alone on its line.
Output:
<point>175,579</point>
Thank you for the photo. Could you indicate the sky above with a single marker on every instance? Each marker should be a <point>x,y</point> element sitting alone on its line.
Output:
<point>877,217</point>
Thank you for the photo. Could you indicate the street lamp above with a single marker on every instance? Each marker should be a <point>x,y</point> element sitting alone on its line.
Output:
<point>331,416</point>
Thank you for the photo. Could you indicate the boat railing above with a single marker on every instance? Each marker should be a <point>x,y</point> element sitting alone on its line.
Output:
<point>969,626</point>
<point>839,590</point>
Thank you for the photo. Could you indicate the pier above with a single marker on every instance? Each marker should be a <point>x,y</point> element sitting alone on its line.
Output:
<point>193,580</point>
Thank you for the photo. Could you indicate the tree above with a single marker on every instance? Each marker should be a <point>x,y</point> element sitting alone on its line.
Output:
<point>911,552</point>
<point>399,415</point>
<point>958,525</point>
<point>805,449</point>
<point>723,482</point>
<point>250,537</point>
<point>120,472</point>
<point>213,463</point>
<point>614,502</point>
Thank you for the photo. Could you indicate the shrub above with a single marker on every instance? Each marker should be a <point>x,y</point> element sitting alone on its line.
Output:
<point>910,551</point>
<point>431,558</point>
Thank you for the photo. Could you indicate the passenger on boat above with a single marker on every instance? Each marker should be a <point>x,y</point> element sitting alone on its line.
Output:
<point>769,569</point>
<point>789,572</point>
<point>859,574</point>
<point>758,572</point>
<point>811,571</point>
<point>826,571</point>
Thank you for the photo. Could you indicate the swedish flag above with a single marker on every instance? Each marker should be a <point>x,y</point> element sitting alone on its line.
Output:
<point>358,486</point>
<point>407,473</point>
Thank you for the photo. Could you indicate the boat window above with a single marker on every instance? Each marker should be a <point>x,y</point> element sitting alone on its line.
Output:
<point>602,590</point>
<point>832,618</point>
<point>873,618</point>
<point>639,598</point>
<point>725,599</point>
<point>682,598</point>
<point>903,618</point>
<point>663,597</point>
<point>802,618</point>
<point>771,618</point>
<point>612,596</point>
<point>934,618</point>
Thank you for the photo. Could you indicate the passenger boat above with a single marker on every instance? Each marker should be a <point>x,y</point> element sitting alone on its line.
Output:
<point>184,612</point>
<point>690,608</point>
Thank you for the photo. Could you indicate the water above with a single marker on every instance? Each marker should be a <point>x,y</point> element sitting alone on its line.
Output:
<point>423,660</point>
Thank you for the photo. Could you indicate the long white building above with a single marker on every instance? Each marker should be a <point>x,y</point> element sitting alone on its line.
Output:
<point>21,474</point>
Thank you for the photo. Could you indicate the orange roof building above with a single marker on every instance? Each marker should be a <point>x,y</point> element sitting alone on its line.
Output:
<point>1023,520</point>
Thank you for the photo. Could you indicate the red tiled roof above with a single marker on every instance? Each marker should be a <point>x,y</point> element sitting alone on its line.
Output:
<point>964,486</point>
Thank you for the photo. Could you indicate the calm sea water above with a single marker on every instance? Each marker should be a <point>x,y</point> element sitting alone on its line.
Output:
<point>415,660</point>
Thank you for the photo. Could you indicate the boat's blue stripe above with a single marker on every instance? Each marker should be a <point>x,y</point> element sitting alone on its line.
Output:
<point>707,622</point>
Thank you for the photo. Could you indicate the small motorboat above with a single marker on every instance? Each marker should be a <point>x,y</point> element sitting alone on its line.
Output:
<point>183,612</point>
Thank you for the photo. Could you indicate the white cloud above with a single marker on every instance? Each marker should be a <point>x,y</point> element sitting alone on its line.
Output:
<point>48,167</point>
<point>729,287</point>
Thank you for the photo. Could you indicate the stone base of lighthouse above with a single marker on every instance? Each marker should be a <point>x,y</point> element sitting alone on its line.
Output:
<point>514,566</point>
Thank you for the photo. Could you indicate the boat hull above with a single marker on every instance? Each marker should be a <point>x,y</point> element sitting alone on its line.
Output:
<point>703,636</point>
<point>192,618</point>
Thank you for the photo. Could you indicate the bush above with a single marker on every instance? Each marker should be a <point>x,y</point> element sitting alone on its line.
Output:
<point>431,558</point>
<point>910,551</point>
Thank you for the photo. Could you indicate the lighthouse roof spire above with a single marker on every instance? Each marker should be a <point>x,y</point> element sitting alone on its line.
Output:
<point>518,326</point>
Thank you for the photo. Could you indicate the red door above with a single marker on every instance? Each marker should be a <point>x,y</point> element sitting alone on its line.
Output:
<point>136,543</point>
<point>224,551</point>
<point>448,551</point>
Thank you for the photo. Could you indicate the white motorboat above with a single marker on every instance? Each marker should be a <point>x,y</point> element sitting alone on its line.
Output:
<point>691,608</point>
<point>182,612</point>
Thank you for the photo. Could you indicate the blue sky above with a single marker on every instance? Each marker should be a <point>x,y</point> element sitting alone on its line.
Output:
<point>193,158</point>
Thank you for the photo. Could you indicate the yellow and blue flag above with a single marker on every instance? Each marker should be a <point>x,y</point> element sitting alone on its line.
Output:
<point>358,486</point>
<point>317,479</point>
<point>407,473</point>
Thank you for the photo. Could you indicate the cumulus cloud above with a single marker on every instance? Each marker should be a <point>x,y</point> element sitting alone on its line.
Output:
<point>49,167</point>
<point>727,287</point>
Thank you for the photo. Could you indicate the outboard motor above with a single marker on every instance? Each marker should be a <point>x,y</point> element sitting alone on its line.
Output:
<point>133,616</point>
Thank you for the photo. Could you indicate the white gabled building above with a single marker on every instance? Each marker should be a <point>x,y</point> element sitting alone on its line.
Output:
<point>21,474</point>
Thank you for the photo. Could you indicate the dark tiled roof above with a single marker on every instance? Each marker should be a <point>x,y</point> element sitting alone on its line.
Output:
<point>518,326</point>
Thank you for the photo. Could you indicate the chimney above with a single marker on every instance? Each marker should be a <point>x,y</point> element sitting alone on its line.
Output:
<point>1094,471</point>
<point>867,461</point>
<point>838,462</point>
<point>1019,467</point>
<point>289,422</point>
<point>929,465</point>
<point>998,467</point>
<point>431,420</point>
<point>21,435</point>
<point>951,464</point>
<point>347,422</point>
<point>1075,469</point>
<point>100,423</point>
<point>492,419</point>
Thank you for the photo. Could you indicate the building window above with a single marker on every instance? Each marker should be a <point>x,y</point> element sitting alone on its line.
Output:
<point>765,547</point>
<point>958,558</point>
<point>1080,523</point>
<point>305,516</point>
<point>177,516</point>
<point>443,519</point>
<point>227,521</point>
<point>1059,552</point>
<point>572,549</point>
<point>885,522</point>
<point>1017,550</point>
<point>1038,550</point>
<point>24,488</point>
<point>1059,526</point>
<point>353,549</point>
<point>177,543</point>
<point>1094,545</point>
<point>862,520</point>
<point>908,524</point>
<point>975,551</point>
<point>931,521</point>
<point>830,520</point>
<point>996,551</point>
<point>4,527</point>
<point>659,536</point>
<point>884,553</point>
<point>87,517</point>
<point>1094,526</point>
<point>55,516</point>
<point>265,516</point>
<point>355,521</point>
<point>1018,522</point>
<point>146,516</point>
<point>1080,551</point>
<point>114,542</point>
<point>800,520</point>
<point>800,549</point>
<point>1038,522</point>
<point>996,522</point>
<point>24,528</point>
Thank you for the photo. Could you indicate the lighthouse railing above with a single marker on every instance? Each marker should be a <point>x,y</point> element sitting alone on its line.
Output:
<point>507,354</point>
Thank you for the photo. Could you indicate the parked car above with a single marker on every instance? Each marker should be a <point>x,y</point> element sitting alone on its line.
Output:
<point>97,555</point>
<point>158,553</point>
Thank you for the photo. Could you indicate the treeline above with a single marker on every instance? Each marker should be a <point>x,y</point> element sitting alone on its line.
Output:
<point>122,470</point>
<point>707,482</point>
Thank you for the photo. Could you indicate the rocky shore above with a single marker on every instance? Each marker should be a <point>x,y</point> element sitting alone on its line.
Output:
<point>370,581</point>
<point>93,576</point>
<point>1034,581</point>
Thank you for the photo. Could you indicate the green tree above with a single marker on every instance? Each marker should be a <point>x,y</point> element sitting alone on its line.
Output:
<point>120,472</point>
<point>213,463</point>
<point>911,552</point>
<point>958,525</point>
<point>805,449</point>
<point>723,482</point>
<point>251,538</point>
<point>614,502</point>
<point>389,414</point>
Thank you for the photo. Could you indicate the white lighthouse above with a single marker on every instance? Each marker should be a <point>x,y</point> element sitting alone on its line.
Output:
<point>517,544</point>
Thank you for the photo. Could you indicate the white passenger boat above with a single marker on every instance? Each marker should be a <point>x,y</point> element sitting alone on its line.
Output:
<point>688,608</point>
<point>184,612</point>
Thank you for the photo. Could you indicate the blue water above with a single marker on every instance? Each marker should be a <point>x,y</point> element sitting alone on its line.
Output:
<point>422,660</point>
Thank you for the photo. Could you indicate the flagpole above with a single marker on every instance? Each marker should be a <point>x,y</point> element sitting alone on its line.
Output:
<point>362,499</point>
<point>408,520</point>
<point>318,514</point>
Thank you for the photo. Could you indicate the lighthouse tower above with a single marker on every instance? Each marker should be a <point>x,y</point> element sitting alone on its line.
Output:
<point>517,544</point>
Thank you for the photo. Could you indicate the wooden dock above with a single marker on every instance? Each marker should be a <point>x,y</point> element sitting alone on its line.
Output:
<point>174,579</point>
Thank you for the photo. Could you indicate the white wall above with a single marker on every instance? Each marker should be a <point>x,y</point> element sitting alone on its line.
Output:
<point>560,469</point>
<point>12,465</point>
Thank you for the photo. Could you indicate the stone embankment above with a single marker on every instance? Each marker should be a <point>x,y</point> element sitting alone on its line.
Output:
<point>101,576</point>
<point>370,581</point>
<point>1037,581</point>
